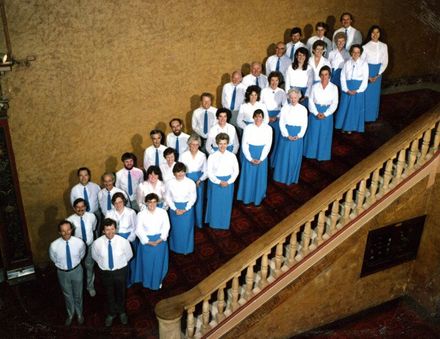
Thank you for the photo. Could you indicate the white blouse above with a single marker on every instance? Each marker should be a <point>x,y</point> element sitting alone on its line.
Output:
<point>258,136</point>
<point>151,223</point>
<point>181,191</point>
<point>273,99</point>
<point>299,78</point>
<point>376,53</point>
<point>216,129</point>
<point>324,96</point>
<point>355,70</point>
<point>222,164</point>
<point>195,164</point>
<point>295,115</point>
<point>145,188</point>
<point>246,113</point>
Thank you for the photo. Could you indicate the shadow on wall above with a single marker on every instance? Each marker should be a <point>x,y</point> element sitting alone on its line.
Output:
<point>48,232</point>
<point>138,149</point>
<point>226,77</point>
<point>73,180</point>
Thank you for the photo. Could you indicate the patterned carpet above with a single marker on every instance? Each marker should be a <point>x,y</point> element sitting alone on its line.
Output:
<point>36,308</point>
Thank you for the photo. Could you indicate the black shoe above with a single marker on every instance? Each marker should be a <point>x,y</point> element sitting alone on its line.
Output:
<point>123,318</point>
<point>68,321</point>
<point>109,320</point>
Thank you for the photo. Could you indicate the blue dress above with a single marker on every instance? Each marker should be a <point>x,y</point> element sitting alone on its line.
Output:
<point>336,77</point>
<point>319,136</point>
<point>182,230</point>
<point>253,180</point>
<point>351,112</point>
<point>372,94</point>
<point>276,134</point>
<point>152,264</point>
<point>198,206</point>
<point>219,204</point>
<point>289,158</point>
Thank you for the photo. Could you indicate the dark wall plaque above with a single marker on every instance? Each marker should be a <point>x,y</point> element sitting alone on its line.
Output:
<point>392,245</point>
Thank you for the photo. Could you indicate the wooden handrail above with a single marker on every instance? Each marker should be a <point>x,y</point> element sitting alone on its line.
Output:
<point>345,187</point>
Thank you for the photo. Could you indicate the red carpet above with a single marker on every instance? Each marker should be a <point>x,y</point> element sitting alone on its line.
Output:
<point>36,308</point>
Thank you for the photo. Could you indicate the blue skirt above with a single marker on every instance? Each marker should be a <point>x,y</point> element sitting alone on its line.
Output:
<point>151,264</point>
<point>288,158</point>
<point>132,263</point>
<point>319,135</point>
<point>219,204</point>
<point>182,230</point>
<point>336,77</point>
<point>198,206</point>
<point>372,94</point>
<point>253,179</point>
<point>351,113</point>
<point>276,135</point>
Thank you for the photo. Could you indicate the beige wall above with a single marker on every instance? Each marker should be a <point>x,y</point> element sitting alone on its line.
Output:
<point>109,71</point>
<point>333,289</point>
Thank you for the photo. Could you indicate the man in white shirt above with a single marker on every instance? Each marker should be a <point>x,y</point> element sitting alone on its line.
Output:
<point>321,30</point>
<point>153,154</point>
<point>105,195</point>
<point>203,118</point>
<point>353,36</point>
<point>87,190</point>
<point>112,254</point>
<point>66,252</point>
<point>233,95</point>
<point>85,226</point>
<point>129,178</point>
<point>255,77</point>
<point>295,43</point>
<point>177,139</point>
<point>279,62</point>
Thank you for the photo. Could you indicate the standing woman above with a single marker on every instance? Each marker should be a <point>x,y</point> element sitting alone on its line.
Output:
<point>195,162</point>
<point>223,116</point>
<point>251,103</point>
<point>376,55</point>
<point>180,196</point>
<point>338,57</point>
<point>274,98</point>
<point>153,183</point>
<point>125,218</point>
<point>170,156</point>
<point>256,143</point>
<point>323,102</point>
<point>354,80</point>
<point>317,60</point>
<point>293,126</point>
<point>222,172</point>
<point>152,229</point>
<point>300,74</point>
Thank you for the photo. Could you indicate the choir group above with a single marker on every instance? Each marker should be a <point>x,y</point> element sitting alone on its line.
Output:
<point>280,117</point>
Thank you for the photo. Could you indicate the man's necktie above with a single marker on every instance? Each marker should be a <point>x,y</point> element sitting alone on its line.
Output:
<point>130,186</point>
<point>109,201</point>
<point>292,51</point>
<point>86,198</point>
<point>177,148</point>
<point>68,257</point>
<point>256,81</point>
<point>83,230</point>
<point>110,255</point>
<point>277,68</point>
<point>234,95</point>
<point>156,162</point>
<point>205,123</point>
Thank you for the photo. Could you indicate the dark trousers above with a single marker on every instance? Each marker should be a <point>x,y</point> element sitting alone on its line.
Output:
<point>115,289</point>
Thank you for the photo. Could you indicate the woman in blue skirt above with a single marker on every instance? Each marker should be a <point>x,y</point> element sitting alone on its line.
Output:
<point>293,126</point>
<point>196,164</point>
<point>338,57</point>
<point>256,143</point>
<point>152,229</point>
<point>222,172</point>
<point>274,98</point>
<point>323,102</point>
<point>300,74</point>
<point>354,80</point>
<point>376,55</point>
<point>181,196</point>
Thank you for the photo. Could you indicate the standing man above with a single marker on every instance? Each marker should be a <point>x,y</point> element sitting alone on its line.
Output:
<point>129,178</point>
<point>87,190</point>
<point>85,225</point>
<point>233,95</point>
<point>294,44</point>
<point>353,36</point>
<point>255,78</point>
<point>153,154</point>
<point>112,254</point>
<point>177,139</point>
<point>203,118</point>
<point>321,30</point>
<point>279,62</point>
<point>66,252</point>
<point>105,195</point>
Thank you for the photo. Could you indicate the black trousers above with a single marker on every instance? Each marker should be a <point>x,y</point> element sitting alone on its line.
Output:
<point>115,288</point>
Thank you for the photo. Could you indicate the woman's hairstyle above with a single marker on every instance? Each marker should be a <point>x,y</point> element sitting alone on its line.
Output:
<point>153,170</point>
<point>249,90</point>
<point>303,51</point>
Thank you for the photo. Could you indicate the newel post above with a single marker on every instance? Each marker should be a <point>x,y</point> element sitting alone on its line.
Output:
<point>170,329</point>
<point>169,315</point>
